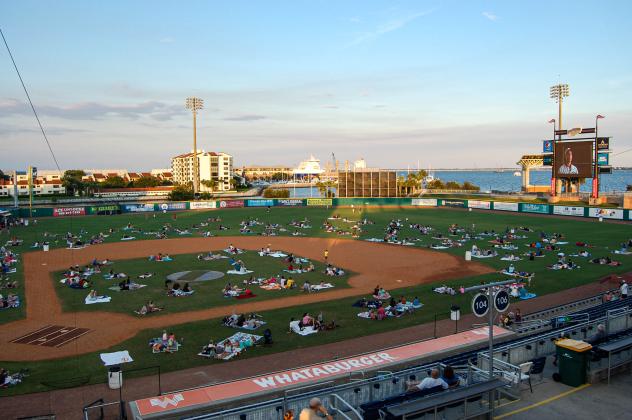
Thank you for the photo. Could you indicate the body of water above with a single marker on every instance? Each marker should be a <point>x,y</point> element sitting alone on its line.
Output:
<point>504,181</point>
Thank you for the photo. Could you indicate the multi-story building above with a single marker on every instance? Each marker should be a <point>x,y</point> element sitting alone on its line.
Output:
<point>213,166</point>
<point>265,172</point>
<point>47,184</point>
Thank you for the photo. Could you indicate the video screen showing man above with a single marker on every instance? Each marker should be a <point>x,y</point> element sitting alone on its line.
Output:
<point>573,159</point>
<point>567,168</point>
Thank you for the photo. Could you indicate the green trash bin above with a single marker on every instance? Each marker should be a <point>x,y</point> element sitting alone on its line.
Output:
<point>572,361</point>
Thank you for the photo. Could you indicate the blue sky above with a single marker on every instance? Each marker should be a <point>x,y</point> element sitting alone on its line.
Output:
<point>445,83</point>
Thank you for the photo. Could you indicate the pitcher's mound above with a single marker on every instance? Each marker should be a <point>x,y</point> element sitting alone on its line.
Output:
<point>195,275</point>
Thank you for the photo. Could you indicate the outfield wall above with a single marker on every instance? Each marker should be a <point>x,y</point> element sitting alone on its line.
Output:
<point>517,207</point>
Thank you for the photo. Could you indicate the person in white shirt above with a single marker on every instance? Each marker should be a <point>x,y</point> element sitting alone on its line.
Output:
<point>431,381</point>
<point>567,168</point>
<point>624,289</point>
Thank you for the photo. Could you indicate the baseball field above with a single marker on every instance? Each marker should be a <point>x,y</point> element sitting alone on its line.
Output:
<point>57,333</point>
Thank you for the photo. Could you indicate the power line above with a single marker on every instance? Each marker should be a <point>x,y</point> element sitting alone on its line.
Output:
<point>30,102</point>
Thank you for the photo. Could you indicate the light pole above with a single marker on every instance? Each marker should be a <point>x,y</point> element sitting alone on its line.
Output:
<point>194,105</point>
<point>558,93</point>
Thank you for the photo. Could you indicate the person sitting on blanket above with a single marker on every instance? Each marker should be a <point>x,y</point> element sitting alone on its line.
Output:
<point>307,287</point>
<point>209,349</point>
<point>124,285</point>
<point>307,320</point>
<point>290,283</point>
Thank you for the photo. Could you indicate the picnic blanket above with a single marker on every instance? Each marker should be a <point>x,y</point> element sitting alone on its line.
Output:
<point>439,247</point>
<point>273,254</point>
<point>271,286</point>
<point>483,256</point>
<point>180,293</point>
<point>322,286</point>
<point>236,251</point>
<point>247,327</point>
<point>166,348</point>
<point>14,304</point>
<point>239,272</point>
<point>235,344</point>
<point>385,296</point>
<point>618,251</point>
<point>98,299</point>
<point>510,259</point>
<point>129,238</point>
<point>132,287</point>
<point>305,331</point>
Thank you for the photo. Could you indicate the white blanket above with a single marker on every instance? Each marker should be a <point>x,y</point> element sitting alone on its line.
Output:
<point>274,254</point>
<point>322,286</point>
<point>240,272</point>
<point>116,358</point>
<point>98,299</point>
<point>306,330</point>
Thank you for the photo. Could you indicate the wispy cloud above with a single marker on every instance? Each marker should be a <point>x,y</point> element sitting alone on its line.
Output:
<point>331,106</point>
<point>490,16</point>
<point>388,26</point>
<point>167,40</point>
<point>95,111</point>
<point>246,118</point>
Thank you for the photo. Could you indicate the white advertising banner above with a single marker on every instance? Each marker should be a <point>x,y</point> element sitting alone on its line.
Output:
<point>505,206</point>
<point>568,211</point>
<point>430,202</point>
<point>196,205</point>
<point>477,204</point>
<point>606,213</point>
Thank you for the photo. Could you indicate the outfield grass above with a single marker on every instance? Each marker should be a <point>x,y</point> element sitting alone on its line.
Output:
<point>604,236</point>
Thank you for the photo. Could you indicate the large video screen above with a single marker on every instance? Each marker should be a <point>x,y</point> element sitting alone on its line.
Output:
<point>573,159</point>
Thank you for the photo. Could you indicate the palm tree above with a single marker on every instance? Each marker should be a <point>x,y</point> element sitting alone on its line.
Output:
<point>210,183</point>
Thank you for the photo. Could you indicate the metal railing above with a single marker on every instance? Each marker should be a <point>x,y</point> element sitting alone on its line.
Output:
<point>342,412</point>
<point>544,344</point>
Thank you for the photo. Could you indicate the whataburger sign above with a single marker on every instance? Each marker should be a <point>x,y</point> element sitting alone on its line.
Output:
<point>326,371</point>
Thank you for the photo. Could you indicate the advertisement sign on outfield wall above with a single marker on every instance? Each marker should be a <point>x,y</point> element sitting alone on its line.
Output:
<point>172,206</point>
<point>454,203</point>
<point>69,211</point>
<point>289,202</point>
<point>137,208</point>
<point>568,211</point>
<point>197,205</point>
<point>535,208</point>
<point>260,203</point>
<point>231,204</point>
<point>476,204</point>
<point>320,202</point>
<point>105,209</point>
<point>429,202</point>
<point>606,213</point>
<point>505,206</point>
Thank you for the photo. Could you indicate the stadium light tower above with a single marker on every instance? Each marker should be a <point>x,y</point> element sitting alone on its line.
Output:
<point>194,105</point>
<point>558,93</point>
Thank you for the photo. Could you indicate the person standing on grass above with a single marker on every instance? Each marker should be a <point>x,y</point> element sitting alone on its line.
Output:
<point>624,289</point>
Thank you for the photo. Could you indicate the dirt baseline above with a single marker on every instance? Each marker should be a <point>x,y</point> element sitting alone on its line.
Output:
<point>390,266</point>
